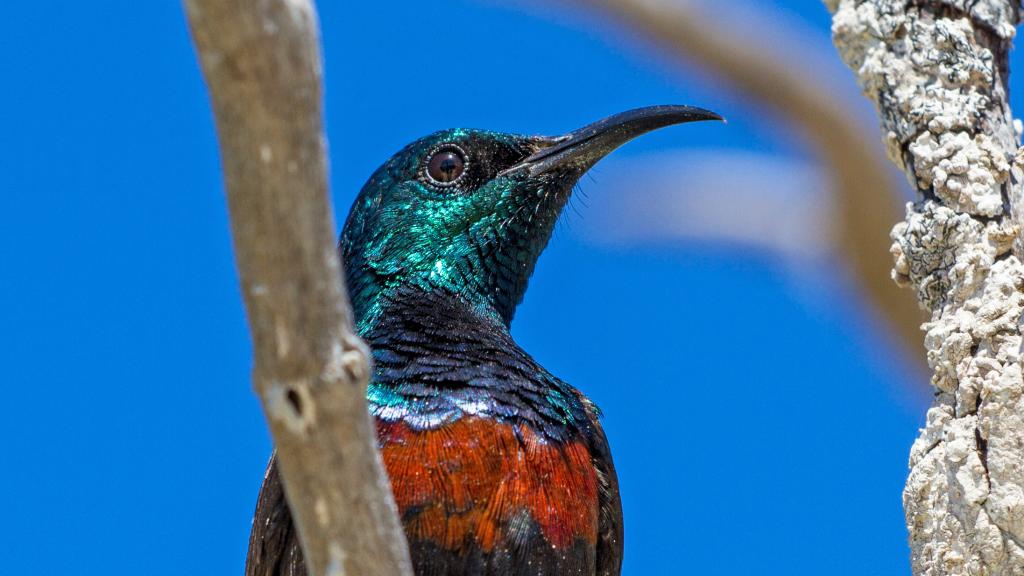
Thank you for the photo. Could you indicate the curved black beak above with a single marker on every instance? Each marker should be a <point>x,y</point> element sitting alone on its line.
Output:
<point>581,149</point>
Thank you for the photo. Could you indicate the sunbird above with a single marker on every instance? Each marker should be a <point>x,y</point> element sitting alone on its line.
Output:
<point>497,466</point>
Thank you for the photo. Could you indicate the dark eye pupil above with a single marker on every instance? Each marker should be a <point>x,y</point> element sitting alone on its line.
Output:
<point>446,166</point>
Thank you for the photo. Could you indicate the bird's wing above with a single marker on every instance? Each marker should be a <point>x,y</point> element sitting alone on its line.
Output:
<point>274,548</point>
<point>609,527</point>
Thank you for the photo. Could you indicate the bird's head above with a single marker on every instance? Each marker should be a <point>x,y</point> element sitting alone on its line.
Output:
<point>468,212</point>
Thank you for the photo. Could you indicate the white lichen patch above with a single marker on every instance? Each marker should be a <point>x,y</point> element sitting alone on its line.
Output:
<point>336,560</point>
<point>932,68</point>
<point>934,81</point>
<point>945,254</point>
<point>322,516</point>
<point>348,362</point>
<point>965,172</point>
<point>282,338</point>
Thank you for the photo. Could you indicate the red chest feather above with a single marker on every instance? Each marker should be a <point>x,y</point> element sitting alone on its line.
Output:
<point>476,482</point>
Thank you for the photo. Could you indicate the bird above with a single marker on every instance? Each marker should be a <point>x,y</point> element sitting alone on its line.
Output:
<point>497,466</point>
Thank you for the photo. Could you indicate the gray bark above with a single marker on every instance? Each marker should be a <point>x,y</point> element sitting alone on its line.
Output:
<point>261,61</point>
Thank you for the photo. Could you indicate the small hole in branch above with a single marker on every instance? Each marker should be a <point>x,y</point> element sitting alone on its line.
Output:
<point>295,400</point>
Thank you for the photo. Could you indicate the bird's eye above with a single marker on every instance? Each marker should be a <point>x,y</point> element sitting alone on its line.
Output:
<point>446,165</point>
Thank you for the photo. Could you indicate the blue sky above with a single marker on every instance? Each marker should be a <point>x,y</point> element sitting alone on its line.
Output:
<point>759,419</point>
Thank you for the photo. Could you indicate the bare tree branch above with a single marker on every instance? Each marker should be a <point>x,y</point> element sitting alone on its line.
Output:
<point>866,196</point>
<point>937,71</point>
<point>261,60</point>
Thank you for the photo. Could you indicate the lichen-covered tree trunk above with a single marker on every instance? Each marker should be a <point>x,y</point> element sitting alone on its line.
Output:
<point>937,71</point>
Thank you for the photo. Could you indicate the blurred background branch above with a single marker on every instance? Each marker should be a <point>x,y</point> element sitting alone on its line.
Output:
<point>867,199</point>
<point>693,195</point>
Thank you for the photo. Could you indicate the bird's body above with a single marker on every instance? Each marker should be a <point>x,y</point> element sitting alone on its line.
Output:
<point>497,466</point>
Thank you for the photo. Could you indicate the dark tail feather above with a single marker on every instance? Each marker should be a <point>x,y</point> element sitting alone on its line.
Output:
<point>274,548</point>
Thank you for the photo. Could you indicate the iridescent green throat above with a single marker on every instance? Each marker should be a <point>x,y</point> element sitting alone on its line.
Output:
<point>439,247</point>
<point>477,240</point>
